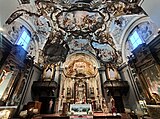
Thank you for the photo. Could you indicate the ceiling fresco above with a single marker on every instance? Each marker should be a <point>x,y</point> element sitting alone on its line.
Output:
<point>85,25</point>
<point>80,45</point>
<point>80,22</point>
<point>105,52</point>
<point>66,26</point>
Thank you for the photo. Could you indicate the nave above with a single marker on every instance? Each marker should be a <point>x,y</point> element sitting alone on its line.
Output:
<point>79,59</point>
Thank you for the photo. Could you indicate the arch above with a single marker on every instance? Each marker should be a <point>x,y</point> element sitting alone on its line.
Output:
<point>27,23</point>
<point>136,21</point>
<point>92,58</point>
<point>31,27</point>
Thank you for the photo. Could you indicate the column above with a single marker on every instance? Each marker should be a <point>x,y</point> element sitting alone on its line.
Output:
<point>103,78</point>
<point>57,74</point>
<point>102,73</point>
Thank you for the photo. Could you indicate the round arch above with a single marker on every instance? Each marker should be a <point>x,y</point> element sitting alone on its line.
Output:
<point>89,57</point>
<point>31,27</point>
<point>126,33</point>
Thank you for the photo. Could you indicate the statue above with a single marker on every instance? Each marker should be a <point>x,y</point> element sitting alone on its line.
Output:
<point>50,106</point>
<point>91,90</point>
<point>104,106</point>
<point>156,97</point>
<point>113,108</point>
<point>2,76</point>
<point>68,91</point>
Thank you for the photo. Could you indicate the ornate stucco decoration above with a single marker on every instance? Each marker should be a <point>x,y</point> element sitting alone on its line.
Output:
<point>118,25</point>
<point>80,24</point>
<point>86,23</point>
<point>80,66</point>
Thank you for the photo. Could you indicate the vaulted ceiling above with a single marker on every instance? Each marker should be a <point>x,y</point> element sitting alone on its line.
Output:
<point>63,27</point>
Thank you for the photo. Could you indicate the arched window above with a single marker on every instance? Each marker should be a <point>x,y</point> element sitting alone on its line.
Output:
<point>24,38</point>
<point>135,39</point>
<point>140,34</point>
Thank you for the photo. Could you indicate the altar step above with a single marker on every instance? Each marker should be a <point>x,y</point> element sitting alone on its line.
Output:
<point>96,116</point>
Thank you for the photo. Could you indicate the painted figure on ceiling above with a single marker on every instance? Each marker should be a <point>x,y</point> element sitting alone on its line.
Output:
<point>43,23</point>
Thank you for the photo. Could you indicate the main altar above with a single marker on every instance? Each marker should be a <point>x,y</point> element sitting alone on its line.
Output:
<point>80,84</point>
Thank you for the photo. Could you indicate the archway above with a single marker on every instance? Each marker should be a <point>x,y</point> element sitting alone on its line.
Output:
<point>80,81</point>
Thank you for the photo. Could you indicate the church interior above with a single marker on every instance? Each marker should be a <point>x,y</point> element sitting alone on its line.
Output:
<point>79,59</point>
